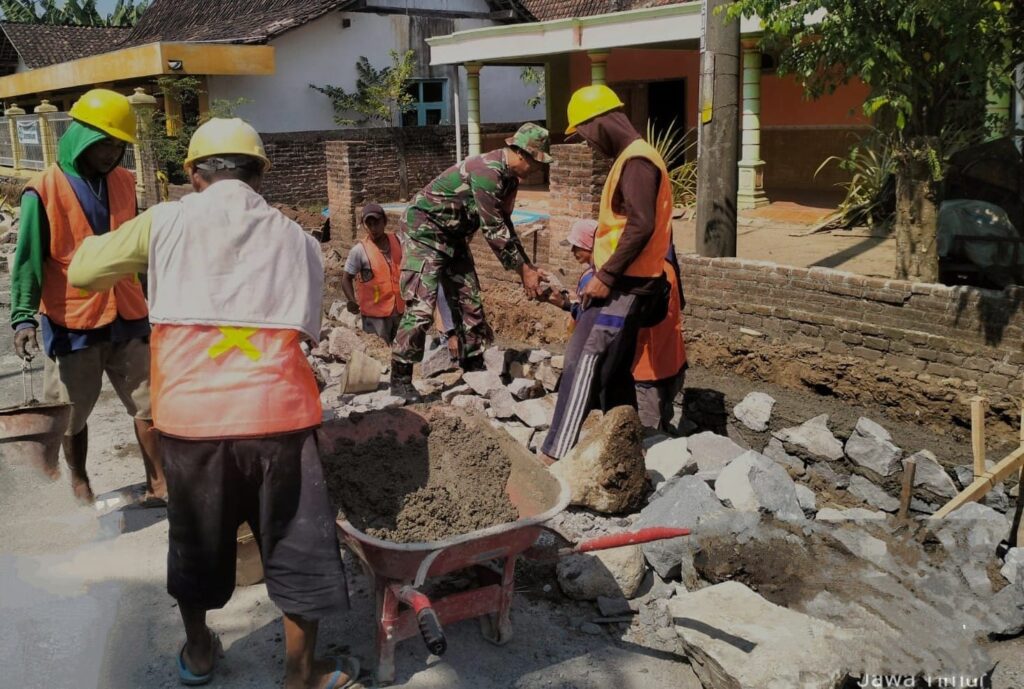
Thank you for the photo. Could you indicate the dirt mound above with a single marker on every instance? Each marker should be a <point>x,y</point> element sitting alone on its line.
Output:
<point>448,481</point>
<point>517,321</point>
<point>308,218</point>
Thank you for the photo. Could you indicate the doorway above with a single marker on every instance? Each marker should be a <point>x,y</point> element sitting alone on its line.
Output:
<point>666,104</point>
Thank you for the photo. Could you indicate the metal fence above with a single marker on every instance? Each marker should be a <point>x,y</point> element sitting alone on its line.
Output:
<point>6,147</point>
<point>30,137</point>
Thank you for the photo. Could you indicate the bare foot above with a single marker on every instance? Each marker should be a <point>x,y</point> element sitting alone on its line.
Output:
<point>82,491</point>
<point>200,656</point>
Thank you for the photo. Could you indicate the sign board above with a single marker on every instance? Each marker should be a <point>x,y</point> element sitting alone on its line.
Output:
<point>28,132</point>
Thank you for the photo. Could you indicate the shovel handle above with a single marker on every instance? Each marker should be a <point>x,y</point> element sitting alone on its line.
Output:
<point>654,533</point>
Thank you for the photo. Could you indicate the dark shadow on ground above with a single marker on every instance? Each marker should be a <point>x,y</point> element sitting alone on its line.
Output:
<point>995,309</point>
<point>706,408</point>
<point>849,253</point>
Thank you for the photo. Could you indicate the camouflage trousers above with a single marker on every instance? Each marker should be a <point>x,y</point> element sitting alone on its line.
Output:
<point>424,269</point>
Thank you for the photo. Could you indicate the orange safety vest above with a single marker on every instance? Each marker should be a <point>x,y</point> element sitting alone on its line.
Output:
<point>649,262</point>
<point>380,296</point>
<point>660,352</point>
<point>67,306</point>
<point>230,382</point>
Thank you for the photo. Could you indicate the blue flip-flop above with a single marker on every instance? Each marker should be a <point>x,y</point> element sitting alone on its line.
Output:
<point>344,665</point>
<point>191,679</point>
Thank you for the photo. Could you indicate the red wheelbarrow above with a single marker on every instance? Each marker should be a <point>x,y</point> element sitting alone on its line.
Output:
<point>399,570</point>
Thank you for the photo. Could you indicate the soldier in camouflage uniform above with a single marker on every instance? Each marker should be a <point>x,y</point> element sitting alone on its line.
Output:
<point>478,193</point>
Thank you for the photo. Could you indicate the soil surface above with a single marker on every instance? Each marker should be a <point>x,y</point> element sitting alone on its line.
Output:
<point>518,321</point>
<point>447,482</point>
<point>308,218</point>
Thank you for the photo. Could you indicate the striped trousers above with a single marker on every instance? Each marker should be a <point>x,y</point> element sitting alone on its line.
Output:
<point>598,368</point>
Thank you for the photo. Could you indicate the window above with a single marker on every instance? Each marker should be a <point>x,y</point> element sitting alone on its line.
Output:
<point>431,103</point>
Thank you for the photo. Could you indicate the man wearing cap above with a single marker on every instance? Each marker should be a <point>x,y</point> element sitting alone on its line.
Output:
<point>84,335</point>
<point>373,264</point>
<point>629,289</point>
<point>234,397</point>
<point>478,193</point>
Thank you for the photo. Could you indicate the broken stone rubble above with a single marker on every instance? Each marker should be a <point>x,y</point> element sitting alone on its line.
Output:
<point>814,438</point>
<point>871,448</point>
<point>752,483</point>
<point>755,411</point>
<point>711,453</point>
<point>666,458</point>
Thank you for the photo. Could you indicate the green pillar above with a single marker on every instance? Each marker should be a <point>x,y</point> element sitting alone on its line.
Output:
<point>473,106</point>
<point>751,167</point>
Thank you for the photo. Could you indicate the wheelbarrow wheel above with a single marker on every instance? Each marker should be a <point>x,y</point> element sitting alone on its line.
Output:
<point>493,631</point>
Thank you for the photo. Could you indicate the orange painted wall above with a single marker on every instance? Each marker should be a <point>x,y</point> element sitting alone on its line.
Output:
<point>782,99</point>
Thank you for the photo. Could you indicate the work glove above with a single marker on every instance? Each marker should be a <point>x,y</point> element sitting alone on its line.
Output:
<point>26,345</point>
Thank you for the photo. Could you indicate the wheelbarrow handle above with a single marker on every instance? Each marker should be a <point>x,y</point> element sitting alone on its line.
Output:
<point>427,619</point>
<point>617,540</point>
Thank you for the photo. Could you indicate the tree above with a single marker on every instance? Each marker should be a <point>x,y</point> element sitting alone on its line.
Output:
<point>72,12</point>
<point>535,76</point>
<point>379,99</point>
<point>927,63</point>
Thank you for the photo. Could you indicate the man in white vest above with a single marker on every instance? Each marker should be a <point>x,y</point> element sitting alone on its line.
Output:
<point>234,287</point>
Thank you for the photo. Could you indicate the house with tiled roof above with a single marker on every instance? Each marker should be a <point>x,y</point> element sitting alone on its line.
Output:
<point>267,52</point>
<point>648,51</point>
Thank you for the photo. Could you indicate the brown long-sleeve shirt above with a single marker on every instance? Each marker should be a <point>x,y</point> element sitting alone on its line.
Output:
<point>636,197</point>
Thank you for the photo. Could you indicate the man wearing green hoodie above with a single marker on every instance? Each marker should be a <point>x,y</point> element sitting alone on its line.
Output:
<point>85,334</point>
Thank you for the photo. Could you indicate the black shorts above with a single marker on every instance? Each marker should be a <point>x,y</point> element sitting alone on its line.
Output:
<point>274,483</point>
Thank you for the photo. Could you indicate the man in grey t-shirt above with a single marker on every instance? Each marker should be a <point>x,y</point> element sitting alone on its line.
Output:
<point>370,280</point>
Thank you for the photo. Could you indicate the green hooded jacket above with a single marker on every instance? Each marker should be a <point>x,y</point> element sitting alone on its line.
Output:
<point>34,229</point>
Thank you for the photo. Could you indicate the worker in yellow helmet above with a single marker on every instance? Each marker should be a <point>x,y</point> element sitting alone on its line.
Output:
<point>234,288</point>
<point>629,289</point>
<point>86,193</point>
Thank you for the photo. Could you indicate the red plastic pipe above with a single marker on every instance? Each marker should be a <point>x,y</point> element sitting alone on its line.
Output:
<point>654,533</point>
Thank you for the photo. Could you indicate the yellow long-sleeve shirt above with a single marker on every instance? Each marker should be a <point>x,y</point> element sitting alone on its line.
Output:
<point>103,260</point>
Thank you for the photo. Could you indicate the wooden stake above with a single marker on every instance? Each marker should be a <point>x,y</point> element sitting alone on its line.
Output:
<point>907,492</point>
<point>978,434</point>
<point>984,483</point>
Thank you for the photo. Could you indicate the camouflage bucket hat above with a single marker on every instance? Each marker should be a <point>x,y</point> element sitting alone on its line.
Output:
<point>533,139</point>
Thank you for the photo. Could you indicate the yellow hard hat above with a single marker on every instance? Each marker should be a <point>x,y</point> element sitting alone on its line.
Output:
<point>108,111</point>
<point>221,136</point>
<point>589,102</point>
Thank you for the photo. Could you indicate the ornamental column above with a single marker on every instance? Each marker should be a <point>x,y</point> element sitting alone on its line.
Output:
<point>473,106</point>
<point>598,67</point>
<point>751,167</point>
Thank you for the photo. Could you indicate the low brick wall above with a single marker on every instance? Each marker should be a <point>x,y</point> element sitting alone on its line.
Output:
<point>918,350</point>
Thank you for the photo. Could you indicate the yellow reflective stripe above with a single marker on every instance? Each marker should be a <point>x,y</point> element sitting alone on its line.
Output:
<point>376,294</point>
<point>236,337</point>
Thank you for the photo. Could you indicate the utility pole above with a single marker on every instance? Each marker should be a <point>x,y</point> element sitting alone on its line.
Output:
<point>718,132</point>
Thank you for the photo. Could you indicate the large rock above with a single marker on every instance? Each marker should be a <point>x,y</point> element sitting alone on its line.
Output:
<point>1013,567</point>
<point>828,475</point>
<point>752,483</point>
<point>930,477</point>
<point>853,514</point>
<point>977,526</point>
<point>536,413</point>
<point>521,434</point>
<point>814,438</point>
<point>471,402</point>
<point>610,573</point>
<point>712,452</point>
<point>496,360</point>
<point>537,356</point>
<point>483,382</point>
<point>755,411</point>
<point>605,471</point>
<point>525,388</point>
<point>437,361</point>
<point>776,452</point>
<point>735,639</point>
<point>343,341</point>
<point>451,393</point>
<point>503,404</point>
<point>546,374</point>
<point>375,401</point>
<point>870,447</point>
<point>872,494</point>
<point>806,497</point>
<point>666,458</point>
<point>685,502</point>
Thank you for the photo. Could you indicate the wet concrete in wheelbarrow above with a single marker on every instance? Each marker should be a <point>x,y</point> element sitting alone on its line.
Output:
<point>449,481</point>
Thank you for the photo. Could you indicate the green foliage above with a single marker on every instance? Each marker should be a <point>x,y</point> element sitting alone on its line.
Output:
<point>533,75</point>
<point>675,145</point>
<point>71,12</point>
<point>379,96</point>
<point>871,165</point>
<point>927,63</point>
<point>171,150</point>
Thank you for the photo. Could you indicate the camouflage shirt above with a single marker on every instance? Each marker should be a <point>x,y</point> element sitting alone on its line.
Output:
<point>478,193</point>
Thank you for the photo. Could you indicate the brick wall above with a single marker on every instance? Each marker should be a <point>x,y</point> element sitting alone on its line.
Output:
<point>300,168</point>
<point>918,350</point>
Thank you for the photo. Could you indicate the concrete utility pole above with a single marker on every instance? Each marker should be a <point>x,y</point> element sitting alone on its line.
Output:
<point>718,133</point>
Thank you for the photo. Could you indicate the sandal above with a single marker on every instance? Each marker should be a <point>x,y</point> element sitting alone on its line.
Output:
<point>344,665</point>
<point>189,678</point>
